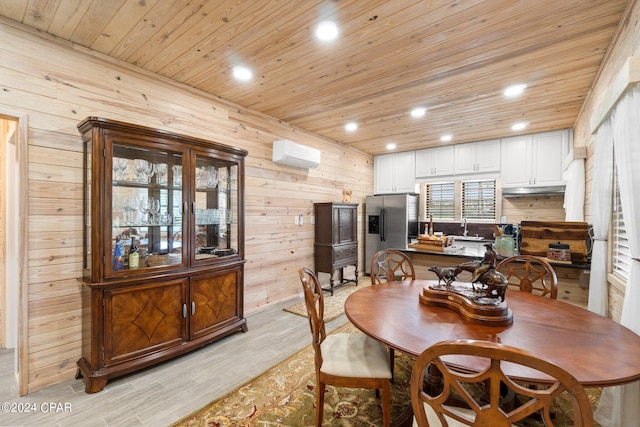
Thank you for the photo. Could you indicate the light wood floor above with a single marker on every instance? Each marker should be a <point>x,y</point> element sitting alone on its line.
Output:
<point>163,394</point>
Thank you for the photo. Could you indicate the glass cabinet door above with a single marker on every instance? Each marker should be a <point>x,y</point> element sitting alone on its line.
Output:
<point>215,208</point>
<point>146,208</point>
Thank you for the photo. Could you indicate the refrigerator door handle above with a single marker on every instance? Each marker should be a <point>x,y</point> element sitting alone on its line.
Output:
<point>383,225</point>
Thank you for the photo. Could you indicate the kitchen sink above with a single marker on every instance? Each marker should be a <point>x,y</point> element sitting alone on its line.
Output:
<point>468,238</point>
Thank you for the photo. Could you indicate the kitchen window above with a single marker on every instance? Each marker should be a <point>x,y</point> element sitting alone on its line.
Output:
<point>473,200</point>
<point>479,200</point>
<point>621,256</point>
<point>440,201</point>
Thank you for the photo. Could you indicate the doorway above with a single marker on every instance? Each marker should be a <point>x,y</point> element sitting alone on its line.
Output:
<point>12,246</point>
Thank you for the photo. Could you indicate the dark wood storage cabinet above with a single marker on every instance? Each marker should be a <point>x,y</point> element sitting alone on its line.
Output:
<point>179,200</point>
<point>336,239</point>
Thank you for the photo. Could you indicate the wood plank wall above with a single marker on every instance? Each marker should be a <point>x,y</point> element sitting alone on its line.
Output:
<point>56,87</point>
<point>625,44</point>
<point>533,208</point>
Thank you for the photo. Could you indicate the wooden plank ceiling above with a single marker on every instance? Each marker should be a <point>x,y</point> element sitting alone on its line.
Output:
<point>452,57</point>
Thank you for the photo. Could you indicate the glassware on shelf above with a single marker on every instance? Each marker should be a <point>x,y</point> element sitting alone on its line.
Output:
<point>206,177</point>
<point>166,218</point>
<point>211,216</point>
<point>199,177</point>
<point>144,208</point>
<point>144,170</point>
<point>200,216</point>
<point>120,167</point>
<point>177,175</point>
<point>212,177</point>
<point>160,170</point>
<point>154,210</point>
<point>223,175</point>
<point>132,209</point>
<point>139,166</point>
<point>123,206</point>
<point>115,167</point>
<point>123,164</point>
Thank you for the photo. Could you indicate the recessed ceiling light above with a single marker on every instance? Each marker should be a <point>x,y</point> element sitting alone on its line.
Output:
<point>327,31</point>
<point>446,138</point>
<point>351,126</point>
<point>242,73</point>
<point>418,112</point>
<point>391,146</point>
<point>514,90</point>
<point>519,126</point>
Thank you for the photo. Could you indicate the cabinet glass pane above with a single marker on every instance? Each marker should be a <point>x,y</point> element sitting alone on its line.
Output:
<point>215,208</point>
<point>146,208</point>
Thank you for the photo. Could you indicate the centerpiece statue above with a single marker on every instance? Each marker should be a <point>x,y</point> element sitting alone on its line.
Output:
<point>493,284</point>
<point>482,300</point>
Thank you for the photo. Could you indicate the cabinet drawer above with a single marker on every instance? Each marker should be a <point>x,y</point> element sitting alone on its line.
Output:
<point>345,254</point>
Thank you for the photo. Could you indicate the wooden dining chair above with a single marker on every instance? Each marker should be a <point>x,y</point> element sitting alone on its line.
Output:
<point>344,360</point>
<point>483,407</point>
<point>530,274</point>
<point>390,265</point>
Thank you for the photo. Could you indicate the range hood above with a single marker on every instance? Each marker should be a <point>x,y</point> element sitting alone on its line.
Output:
<point>552,190</point>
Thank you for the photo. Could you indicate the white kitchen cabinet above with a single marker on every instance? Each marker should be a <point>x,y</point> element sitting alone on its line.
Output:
<point>394,173</point>
<point>477,157</point>
<point>533,160</point>
<point>550,149</point>
<point>436,161</point>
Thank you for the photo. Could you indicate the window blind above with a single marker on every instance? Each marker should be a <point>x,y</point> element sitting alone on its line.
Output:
<point>440,201</point>
<point>479,200</point>
<point>621,256</point>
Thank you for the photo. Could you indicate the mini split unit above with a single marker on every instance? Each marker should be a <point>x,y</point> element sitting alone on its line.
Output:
<point>289,153</point>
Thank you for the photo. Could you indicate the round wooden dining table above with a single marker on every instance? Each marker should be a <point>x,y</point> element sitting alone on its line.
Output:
<point>594,349</point>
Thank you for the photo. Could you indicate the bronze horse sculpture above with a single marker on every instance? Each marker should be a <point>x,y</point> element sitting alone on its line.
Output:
<point>495,282</point>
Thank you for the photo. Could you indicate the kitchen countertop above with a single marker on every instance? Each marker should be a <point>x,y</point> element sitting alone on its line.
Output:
<point>477,252</point>
<point>456,250</point>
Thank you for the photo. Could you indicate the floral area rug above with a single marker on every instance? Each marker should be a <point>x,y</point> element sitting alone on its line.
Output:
<point>333,304</point>
<point>285,396</point>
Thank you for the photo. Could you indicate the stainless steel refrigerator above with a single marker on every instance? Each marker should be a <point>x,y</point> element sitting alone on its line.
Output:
<point>391,222</point>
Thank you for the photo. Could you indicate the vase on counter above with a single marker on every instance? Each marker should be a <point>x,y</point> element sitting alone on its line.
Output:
<point>505,245</point>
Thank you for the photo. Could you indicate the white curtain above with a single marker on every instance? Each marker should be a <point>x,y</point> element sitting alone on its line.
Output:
<point>624,401</point>
<point>574,193</point>
<point>601,190</point>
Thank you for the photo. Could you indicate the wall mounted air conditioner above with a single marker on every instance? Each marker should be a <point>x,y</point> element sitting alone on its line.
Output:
<point>286,152</point>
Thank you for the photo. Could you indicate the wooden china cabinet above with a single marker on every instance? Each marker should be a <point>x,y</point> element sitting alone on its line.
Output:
<point>178,201</point>
<point>336,240</point>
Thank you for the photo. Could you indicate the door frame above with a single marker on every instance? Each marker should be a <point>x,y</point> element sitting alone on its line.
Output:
<point>22,141</point>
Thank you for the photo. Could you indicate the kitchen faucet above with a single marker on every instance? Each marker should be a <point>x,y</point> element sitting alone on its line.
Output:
<point>463,223</point>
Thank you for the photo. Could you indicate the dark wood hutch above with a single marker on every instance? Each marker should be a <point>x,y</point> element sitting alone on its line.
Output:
<point>179,200</point>
<point>336,240</point>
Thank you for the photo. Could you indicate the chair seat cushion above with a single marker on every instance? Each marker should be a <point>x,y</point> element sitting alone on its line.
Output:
<point>354,356</point>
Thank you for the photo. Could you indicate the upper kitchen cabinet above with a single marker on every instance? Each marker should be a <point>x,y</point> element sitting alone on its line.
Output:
<point>434,162</point>
<point>394,173</point>
<point>477,157</point>
<point>534,160</point>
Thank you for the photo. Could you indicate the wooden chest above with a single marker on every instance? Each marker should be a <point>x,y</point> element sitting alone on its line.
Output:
<point>537,235</point>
